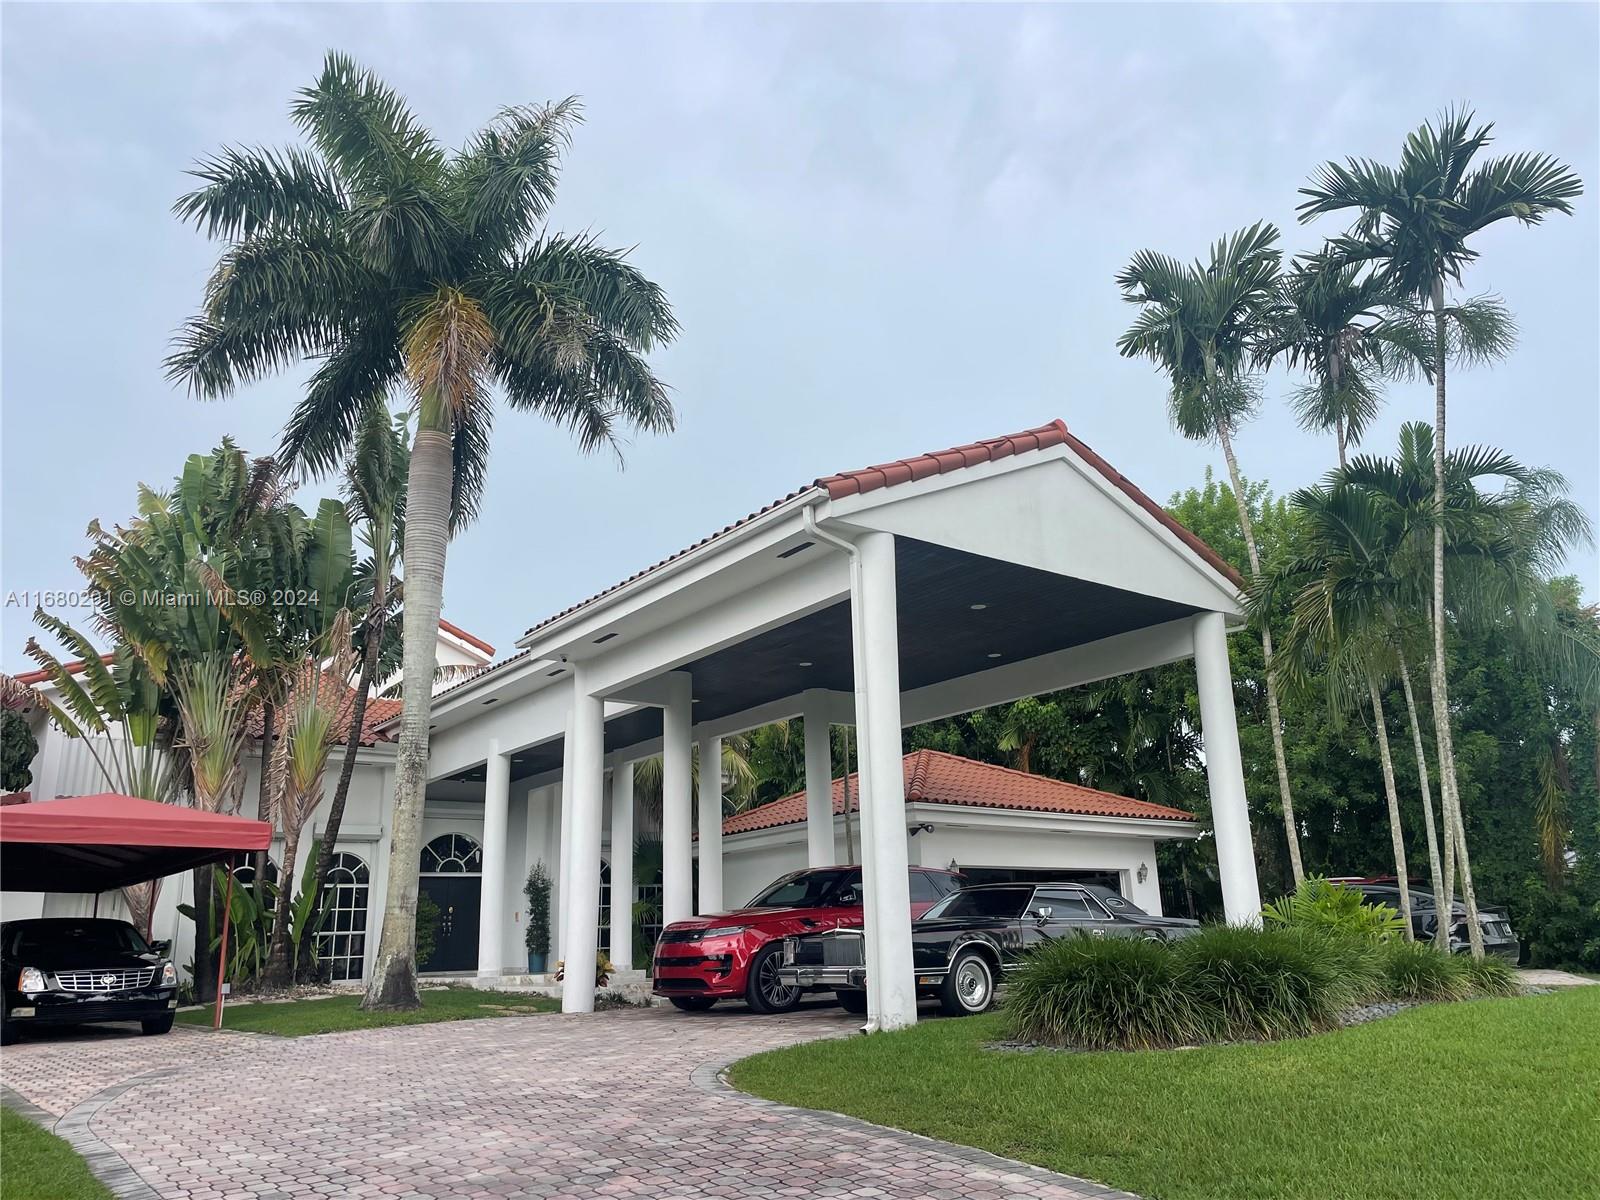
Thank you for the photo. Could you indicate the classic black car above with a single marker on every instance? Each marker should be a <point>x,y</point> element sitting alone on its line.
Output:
<point>965,942</point>
<point>1499,939</point>
<point>82,970</point>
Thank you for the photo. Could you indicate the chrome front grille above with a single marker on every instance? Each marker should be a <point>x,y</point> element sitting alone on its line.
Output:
<point>105,981</point>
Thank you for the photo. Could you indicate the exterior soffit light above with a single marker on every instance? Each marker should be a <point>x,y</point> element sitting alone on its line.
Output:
<point>977,607</point>
<point>995,654</point>
<point>803,664</point>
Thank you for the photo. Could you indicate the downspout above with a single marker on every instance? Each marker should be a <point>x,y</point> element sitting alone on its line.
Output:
<point>853,554</point>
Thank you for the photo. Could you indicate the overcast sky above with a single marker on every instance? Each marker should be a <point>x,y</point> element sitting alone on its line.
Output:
<point>885,230</point>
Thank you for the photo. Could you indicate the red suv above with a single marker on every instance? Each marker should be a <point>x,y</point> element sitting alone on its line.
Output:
<point>736,955</point>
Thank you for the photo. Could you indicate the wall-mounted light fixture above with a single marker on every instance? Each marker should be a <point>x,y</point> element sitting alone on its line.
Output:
<point>1144,872</point>
<point>922,828</point>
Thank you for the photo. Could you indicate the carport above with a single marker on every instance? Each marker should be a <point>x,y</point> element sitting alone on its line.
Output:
<point>883,597</point>
<point>100,843</point>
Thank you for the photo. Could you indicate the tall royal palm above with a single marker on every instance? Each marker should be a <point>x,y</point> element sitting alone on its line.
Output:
<point>391,261</point>
<point>1200,323</point>
<point>1413,223</point>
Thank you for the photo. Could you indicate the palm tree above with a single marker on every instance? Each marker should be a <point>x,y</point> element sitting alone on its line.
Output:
<point>1200,324</point>
<point>1413,223</point>
<point>390,260</point>
<point>1346,329</point>
<point>375,494</point>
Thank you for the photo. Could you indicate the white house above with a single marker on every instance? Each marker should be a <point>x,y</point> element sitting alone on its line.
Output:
<point>880,598</point>
<point>992,823</point>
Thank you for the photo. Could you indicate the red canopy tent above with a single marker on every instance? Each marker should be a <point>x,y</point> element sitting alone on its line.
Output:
<point>97,843</point>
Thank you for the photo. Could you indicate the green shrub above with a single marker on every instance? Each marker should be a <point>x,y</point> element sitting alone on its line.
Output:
<point>1492,977</point>
<point>1318,904</point>
<point>428,916</point>
<point>1416,971</point>
<point>1105,994</point>
<point>1256,983</point>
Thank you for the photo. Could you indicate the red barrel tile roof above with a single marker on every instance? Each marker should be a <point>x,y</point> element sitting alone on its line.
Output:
<point>933,777</point>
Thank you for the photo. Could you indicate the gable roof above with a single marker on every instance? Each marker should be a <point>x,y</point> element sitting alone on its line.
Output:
<point>939,462</point>
<point>380,711</point>
<point>934,777</point>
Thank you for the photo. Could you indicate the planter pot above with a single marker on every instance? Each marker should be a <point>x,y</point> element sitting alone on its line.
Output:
<point>536,963</point>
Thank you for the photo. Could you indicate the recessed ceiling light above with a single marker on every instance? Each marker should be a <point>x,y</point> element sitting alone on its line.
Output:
<point>804,664</point>
<point>492,700</point>
<point>996,654</point>
<point>977,607</point>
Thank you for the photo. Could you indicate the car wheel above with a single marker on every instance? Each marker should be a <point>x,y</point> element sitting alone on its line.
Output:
<point>853,1001</point>
<point>968,986</point>
<point>157,1025</point>
<point>765,992</point>
<point>692,1003</point>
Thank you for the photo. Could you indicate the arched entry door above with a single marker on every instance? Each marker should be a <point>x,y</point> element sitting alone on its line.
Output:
<point>451,876</point>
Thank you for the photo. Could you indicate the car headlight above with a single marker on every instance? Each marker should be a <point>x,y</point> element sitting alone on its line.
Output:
<point>723,931</point>
<point>31,980</point>
<point>169,975</point>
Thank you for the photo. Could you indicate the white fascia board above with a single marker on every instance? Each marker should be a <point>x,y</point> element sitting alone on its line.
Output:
<point>963,816</point>
<point>867,510</point>
<point>575,631</point>
<point>522,677</point>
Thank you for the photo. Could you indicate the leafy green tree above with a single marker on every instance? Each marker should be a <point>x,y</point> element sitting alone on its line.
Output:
<point>391,261</point>
<point>1414,223</point>
<point>1200,324</point>
<point>17,749</point>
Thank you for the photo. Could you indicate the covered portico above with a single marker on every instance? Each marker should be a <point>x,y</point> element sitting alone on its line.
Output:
<point>882,598</point>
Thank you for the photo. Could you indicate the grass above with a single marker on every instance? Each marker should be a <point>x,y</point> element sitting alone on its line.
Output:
<point>335,1014</point>
<point>40,1166</point>
<point>1453,1102</point>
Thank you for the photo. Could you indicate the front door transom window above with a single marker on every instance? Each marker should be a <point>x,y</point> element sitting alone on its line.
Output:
<point>452,854</point>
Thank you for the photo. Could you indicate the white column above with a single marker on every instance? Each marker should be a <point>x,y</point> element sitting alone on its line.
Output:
<point>677,800</point>
<point>587,731</point>
<point>711,825</point>
<point>563,819</point>
<point>883,797</point>
<point>621,949</point>
<point>491,910</point>
<point>814,716</point>
<point>1230,815</point>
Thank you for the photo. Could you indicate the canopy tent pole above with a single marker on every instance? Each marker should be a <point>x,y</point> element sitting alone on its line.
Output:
<point>222,953</point>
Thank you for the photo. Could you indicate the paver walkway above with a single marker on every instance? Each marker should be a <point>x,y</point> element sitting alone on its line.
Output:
<point>614,1104</point>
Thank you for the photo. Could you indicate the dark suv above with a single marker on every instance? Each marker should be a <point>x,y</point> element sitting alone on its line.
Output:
<point>79,970</point>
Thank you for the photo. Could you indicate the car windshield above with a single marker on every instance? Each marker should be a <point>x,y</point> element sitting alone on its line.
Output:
<point>999,903</point>
<point>42,939</point>
<point>811,889</point>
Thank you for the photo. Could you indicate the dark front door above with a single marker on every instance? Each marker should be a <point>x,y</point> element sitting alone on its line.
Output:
<point>455,946</point>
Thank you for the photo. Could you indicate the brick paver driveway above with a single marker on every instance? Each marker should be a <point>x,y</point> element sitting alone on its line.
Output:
<point>614,1104</point>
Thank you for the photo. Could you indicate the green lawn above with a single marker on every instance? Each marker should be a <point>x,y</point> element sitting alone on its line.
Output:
<point>333,1014</point>
<point>1483,1098</point>
<point>40,1166</point>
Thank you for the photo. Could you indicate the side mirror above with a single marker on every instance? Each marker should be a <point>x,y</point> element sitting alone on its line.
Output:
<point>163,948</point>
<point>1044,913</point>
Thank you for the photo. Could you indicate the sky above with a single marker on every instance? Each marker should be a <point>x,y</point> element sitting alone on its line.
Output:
<point>885,229</point>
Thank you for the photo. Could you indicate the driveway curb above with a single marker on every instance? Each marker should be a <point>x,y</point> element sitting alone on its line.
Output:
<point>73,1127</point>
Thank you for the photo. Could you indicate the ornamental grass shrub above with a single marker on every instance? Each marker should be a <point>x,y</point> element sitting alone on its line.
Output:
<point>1112,993</point>
<point>1417,971</point>
<point>1226,984</point>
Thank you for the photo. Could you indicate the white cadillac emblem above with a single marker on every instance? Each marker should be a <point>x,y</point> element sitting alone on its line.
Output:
<point>108,981</point>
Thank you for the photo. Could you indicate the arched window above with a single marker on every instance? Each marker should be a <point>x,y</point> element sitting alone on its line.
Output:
<point>452,854</point>
<point>244,875</point>
<point>342,944</point>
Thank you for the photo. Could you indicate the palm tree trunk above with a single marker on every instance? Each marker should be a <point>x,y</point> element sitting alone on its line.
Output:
<point>428,486</point>
<point>352,740</point>
<point>269,719</point>
<point>1435,867</point>
<point>205,955</point>
<point>1396,836</point>
<point>1290,827</point>
<point>1338,433</point>
<point>279,973</point>
<point>1441,689</point>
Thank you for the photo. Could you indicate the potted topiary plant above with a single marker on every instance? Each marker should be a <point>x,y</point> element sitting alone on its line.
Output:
<point>537,934</point>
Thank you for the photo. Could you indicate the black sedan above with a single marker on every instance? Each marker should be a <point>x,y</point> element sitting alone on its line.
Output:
<point>1499,939</point>
<point>82,970</point>
<point>962,946</point>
